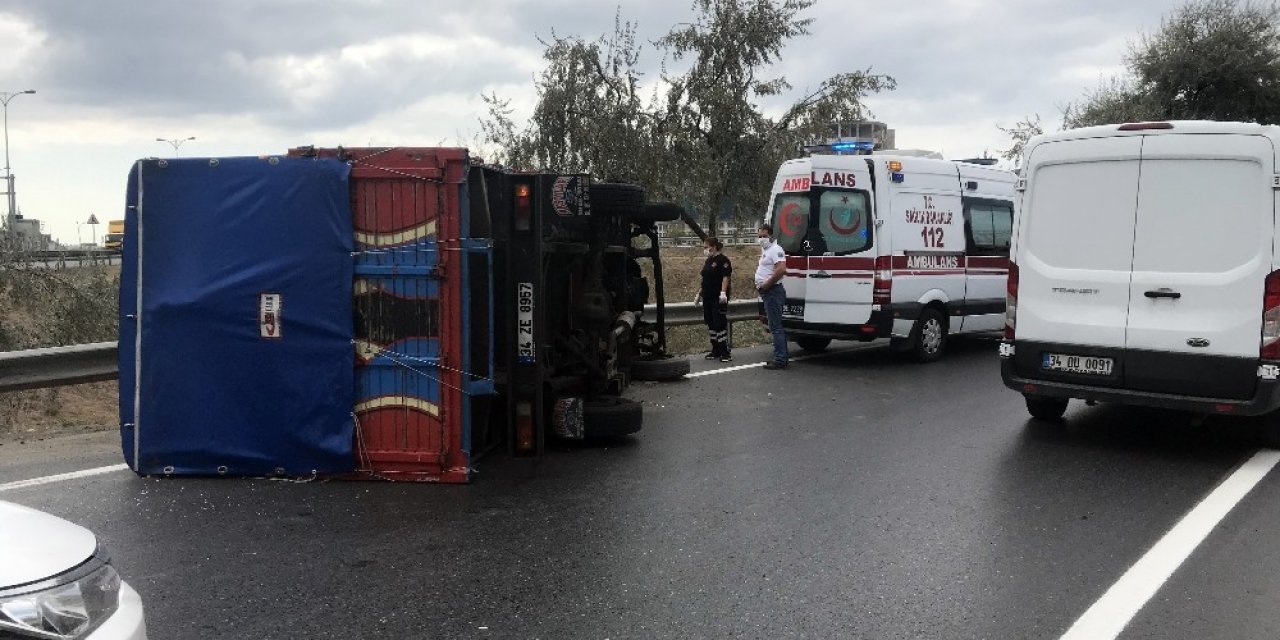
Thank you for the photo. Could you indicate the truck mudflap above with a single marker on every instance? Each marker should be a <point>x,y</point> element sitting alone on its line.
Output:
<point>1265,397</point>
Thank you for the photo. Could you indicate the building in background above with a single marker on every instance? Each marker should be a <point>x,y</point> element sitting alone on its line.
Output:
<point>26,234</point>
<point>858,137</point>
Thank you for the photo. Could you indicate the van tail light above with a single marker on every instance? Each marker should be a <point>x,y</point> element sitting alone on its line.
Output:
<point>1271,318</point>
<point>882,287</point>
<point>524,206</point>
<point>1145,126</point>
<point>1011,303</point>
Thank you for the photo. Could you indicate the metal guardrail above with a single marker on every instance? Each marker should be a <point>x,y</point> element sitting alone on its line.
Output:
<point>684,313</point>
<point>58,366</point>
<point>96,362</point>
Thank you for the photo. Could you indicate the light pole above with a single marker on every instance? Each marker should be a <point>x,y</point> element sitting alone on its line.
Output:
<point>5,97</point>
<point>176,142</point>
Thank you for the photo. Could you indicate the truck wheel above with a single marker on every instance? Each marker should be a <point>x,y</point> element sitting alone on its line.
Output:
<point>813,345</point>
<point>617,199</point>
<point>929,336</point>
<point>659,212</point>
<point>1042,408</point>
<point>659,368</point>
<point>610,417</point>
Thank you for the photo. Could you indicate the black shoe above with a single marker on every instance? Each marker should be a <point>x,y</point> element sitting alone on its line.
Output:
<point>775,365</point>
<point>726,358</point>
<point>711,356</point>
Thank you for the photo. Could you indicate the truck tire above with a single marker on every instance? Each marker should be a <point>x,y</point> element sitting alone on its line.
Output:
<point>929,336</point>
<point>812,344</point>
<point>611,417</point>
<point>1042,408</point>
<point>659,369</point>
<point>617,199</point>
<point>659,212</point>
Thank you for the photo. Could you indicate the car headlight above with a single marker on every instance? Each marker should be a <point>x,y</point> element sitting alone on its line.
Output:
<point>67,607</point>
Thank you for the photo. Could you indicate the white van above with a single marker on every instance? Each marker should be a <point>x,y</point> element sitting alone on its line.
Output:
<point>892,246</point>
<point>1145,269</point>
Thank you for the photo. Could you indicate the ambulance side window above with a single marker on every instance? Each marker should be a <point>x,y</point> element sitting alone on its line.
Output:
<point>844,221</point>
<point>1002,227</point>
<point>988,227</point>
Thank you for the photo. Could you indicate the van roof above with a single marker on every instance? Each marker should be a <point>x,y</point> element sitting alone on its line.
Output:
<point>1174,127</point>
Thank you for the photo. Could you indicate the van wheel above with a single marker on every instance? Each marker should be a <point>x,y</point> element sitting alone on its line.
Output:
<point>1042,408</point>
<point>929,336</point>
<point>813,345</point>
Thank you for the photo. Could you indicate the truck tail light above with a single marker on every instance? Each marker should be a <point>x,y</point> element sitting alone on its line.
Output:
<point>882,286</point>
<point>1011,303</point>
<point>524,427</point>
<point>1270,349</point>
<point>523,206</point>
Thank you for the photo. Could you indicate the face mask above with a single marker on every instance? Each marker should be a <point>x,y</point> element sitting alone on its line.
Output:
<point>764,242</point>
<point>706,253</point>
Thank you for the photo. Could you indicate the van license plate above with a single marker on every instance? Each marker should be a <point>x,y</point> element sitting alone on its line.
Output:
<point>1078,364</point>
<point>793,310</point>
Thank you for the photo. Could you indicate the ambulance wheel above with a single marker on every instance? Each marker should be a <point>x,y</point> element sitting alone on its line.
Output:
<point>659,368</point>
<point>617,199</point>
<point>929,336</point>
<point>611,417</point>
<point>1042,408</point>
<point>813,345</point>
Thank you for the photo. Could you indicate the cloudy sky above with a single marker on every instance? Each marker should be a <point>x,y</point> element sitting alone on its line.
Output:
<point>250,77</point>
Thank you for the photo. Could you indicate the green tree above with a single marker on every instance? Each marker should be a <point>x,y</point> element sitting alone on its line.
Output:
<point>1021,132</point>
<point>1210,59</point>
<point>698,134</point>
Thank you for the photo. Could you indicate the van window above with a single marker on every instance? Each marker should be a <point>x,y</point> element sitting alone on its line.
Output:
<point>990,227</point>
<point>844,221</point>
<point>791,221</point>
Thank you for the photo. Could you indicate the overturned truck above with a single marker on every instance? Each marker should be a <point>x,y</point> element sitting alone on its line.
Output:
<point>383,313</point>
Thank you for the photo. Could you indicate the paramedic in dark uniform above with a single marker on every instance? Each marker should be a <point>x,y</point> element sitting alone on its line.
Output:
<point>715,293</point>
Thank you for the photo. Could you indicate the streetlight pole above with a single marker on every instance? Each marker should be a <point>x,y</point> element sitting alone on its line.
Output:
<point>176,142</point>
<point>5,98</point>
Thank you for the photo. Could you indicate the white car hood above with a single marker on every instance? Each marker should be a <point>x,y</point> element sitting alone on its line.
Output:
<point>35,545</point>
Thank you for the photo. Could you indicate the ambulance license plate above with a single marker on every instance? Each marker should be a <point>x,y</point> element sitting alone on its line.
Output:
<point>793,310</point>
<point>1078,364</point>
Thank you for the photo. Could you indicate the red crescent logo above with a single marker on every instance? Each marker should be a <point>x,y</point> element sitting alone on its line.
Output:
<point>844,231</point>
<point>789,219</point>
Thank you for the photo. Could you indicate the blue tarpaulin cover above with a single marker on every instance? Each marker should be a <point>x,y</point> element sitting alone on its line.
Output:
<point>236,317</point>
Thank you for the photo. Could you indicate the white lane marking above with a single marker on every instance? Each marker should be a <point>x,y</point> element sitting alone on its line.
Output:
<point>84,473</point>
<point>757,365</point>
<point>1117,607</point>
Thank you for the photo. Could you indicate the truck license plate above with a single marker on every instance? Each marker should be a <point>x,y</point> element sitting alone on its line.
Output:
<point>1078,364</point>
<point>525,352</point>
<point>793,310</point>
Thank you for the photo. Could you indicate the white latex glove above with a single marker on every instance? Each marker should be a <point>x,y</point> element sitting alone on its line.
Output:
<point>697,300</point>
<point>724,298</point>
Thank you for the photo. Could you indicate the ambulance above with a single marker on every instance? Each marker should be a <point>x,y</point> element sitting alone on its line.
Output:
<point>912,248</point>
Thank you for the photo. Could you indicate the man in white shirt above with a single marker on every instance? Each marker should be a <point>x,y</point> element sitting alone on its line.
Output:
<point>769,273</point>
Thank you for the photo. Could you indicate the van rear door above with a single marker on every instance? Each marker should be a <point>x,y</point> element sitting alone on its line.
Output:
<point>1201,254</point>
<point>1076,234</point>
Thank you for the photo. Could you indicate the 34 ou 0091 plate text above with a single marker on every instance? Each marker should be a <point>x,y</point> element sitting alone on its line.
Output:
<point>1078,364</point>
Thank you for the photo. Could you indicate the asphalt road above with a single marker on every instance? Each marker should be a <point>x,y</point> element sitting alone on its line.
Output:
<point>854,495</point>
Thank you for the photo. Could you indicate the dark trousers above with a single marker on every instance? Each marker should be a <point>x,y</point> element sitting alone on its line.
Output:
<point>717,318</point>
